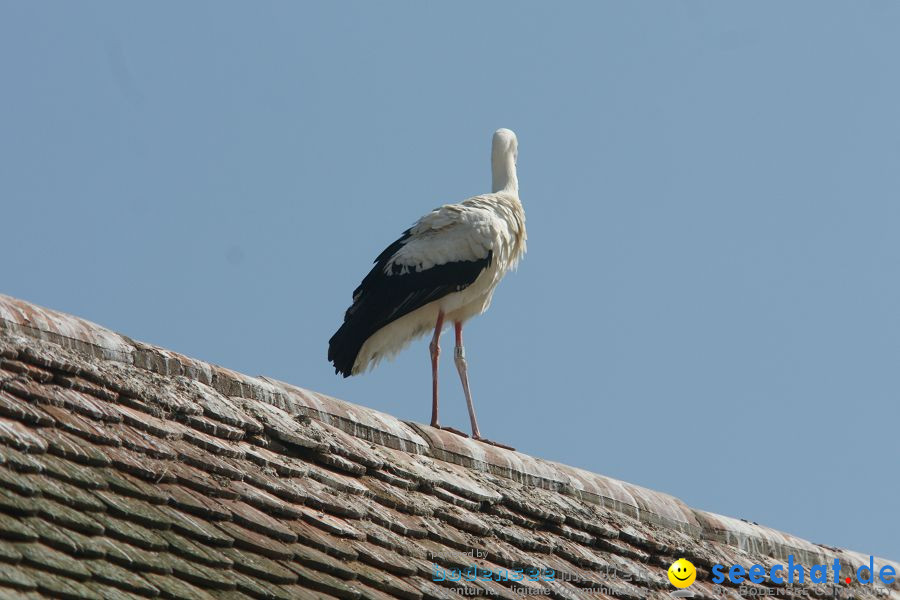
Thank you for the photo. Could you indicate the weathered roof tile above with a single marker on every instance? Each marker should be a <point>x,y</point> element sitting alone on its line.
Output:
<point>90,406</point>
<point>582,577</point>
<point>210,463</point>
<point>339,463</point>
<point>17,529</point>
<point>318,539</point>
<point>31,371</point>
<point>21,437</point>
<point>324,497</point>
<point>449,535</point>
<point>171,588</point>
<point>370,593</point>
<point>286,428</point>
<point>200,553</point>
<point>593,526</point>
<point>365,423</point>
<point>204,576</point>
<point>131,557</point>
<point>395,480</point>
<point>375,576</point>
<point>68,494</point>
<point>198,529</point>
<point>15,409</point>
<point>30,390</point>
<point>341,443</point>
<point>266,502</point>
<point>253,541</point>
<point>191,477</point>
<point>214,428</point>
<point>83,427</point>
<point>145,418</point>
<point>72,448</point>
<point>509,556</point>
<point>456,500</point>
<point>334,525</point>
<point>67,541</point>
<point>382,559</point>
<point>81,384</point>
<point>623,548</point>
<point>381,536</point>
<point>432,591</point>
<point>47,559</point>
<point>13,503</point>
<point>128,485</point>
<point>581,555</point>
<point>19,461</point>
<point>132,533</point>
<point>231,412</point>
<point>524,539</point>
<point>320,561</point>
<point>144,467</point>
<point>70,518</point>
<point>285,466</point>
<point>336,481</point>
<point>108,592</point>
<point>495,589</point>
<point>325,583</point>
<point>20,580</point>
<point>113,575</point>
<point>576,535</point>
<point>9,554</point>
<point>260,567</point>
<point>282,487</point>
<point>145,443</point>
<point>524,502</point>
<point>132,509</point>
<point>407,501</point>
<point>21,483</point>
<point>249,586</point>
<point>406,525</point>
<point>196,503</point>
<point>60,586</point>
<point>255,520</point>
<point>212,444</point>
<point>464,520</point>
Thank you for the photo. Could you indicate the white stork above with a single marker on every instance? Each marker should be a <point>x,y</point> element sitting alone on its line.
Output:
<point>442,269</point>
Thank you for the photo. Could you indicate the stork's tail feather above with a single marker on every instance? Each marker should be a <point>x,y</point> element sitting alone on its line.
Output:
<point>344,347</point>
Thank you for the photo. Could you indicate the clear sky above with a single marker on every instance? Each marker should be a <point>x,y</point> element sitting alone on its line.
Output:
<point>710,305</point>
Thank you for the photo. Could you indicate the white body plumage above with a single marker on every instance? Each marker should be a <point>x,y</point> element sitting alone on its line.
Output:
<point>448,263</point>
<point>454,232</point>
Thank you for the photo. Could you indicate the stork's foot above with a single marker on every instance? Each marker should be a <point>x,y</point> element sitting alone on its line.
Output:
<point>493,443</point>
<point>451,430</point>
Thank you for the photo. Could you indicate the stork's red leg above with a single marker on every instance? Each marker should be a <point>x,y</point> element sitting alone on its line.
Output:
<point>435,347</point>
<point>462,367</point>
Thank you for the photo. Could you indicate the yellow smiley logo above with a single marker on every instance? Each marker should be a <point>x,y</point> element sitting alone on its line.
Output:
<point>682,573</point>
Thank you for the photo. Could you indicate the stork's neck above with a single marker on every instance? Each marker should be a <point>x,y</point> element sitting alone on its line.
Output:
<point>503,167</point>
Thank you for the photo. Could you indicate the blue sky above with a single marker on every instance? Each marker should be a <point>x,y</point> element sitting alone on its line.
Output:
<point>709,306</point>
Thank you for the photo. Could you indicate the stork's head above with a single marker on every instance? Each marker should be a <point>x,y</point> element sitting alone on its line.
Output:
<point>504,154</point>
<point>505,143</point>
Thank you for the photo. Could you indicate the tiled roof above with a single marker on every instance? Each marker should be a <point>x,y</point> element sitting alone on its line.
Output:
<point>128,471</point>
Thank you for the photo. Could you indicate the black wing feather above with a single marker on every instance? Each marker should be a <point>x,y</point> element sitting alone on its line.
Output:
<point>381,299</point>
